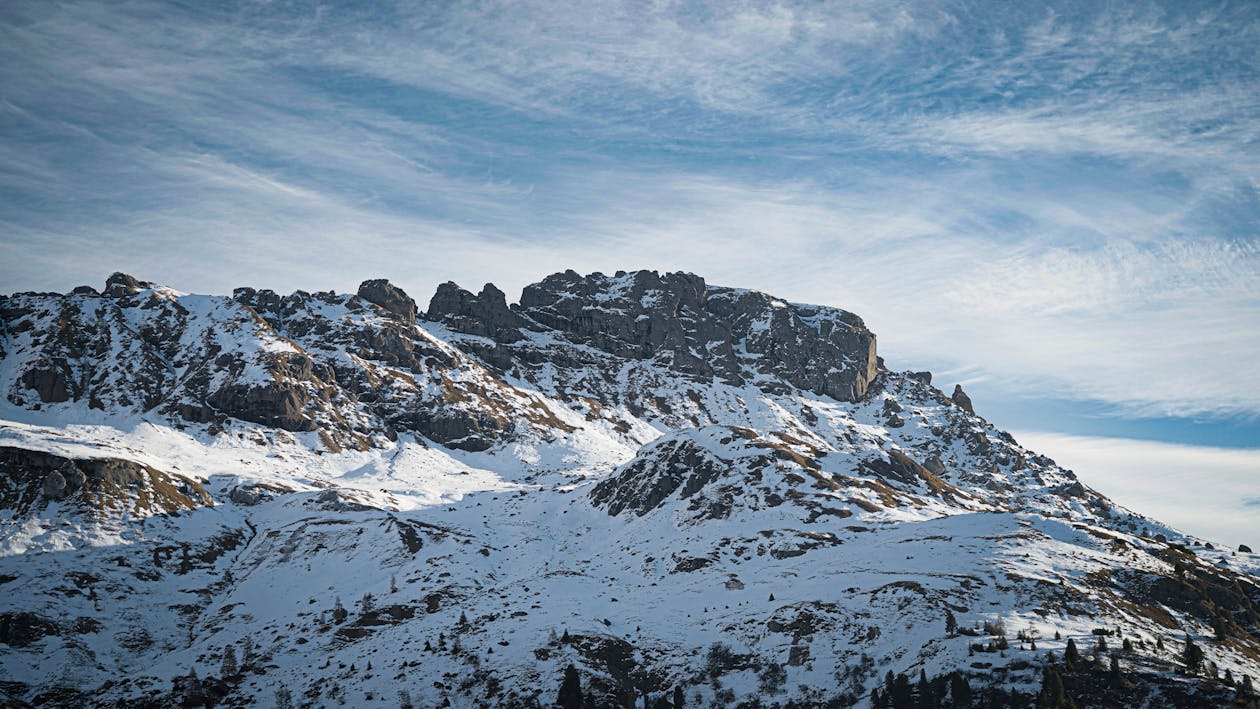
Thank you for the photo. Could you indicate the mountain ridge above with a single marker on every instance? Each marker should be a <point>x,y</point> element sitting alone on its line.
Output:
<point>542,468</point>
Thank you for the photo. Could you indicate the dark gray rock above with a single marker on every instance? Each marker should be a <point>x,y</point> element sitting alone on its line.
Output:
<point>485,314</point>
<point>390,297</point>
<point>961,400</point>
<point>23,629</point>
<point>1244,548</point>
<point>28,478</point>
<point>925,376</point>
<point>278,404</point>
<point>249,495</point>
<point>84,290</point>
<point>647,481</point>
<point>121,285</point>
<point>679,322</point>
<point>48,380</point>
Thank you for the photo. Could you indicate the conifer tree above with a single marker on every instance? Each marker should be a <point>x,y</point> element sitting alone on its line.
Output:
<point>1220,628</point>
<point>228,668</point>
<point>1192,657</point>
<point>901,696</point>
<point>678,697</point>
<point>570,690</point>
<point>951,623</point>
<point>247,653</point>
<point>925,696</point>
<point>1071,656</point>
<point>1052,694</point>
<point>959,690</point>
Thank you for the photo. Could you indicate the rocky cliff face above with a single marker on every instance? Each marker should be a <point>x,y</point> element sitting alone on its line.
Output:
<point>678,322</point>
<point>664,483</point>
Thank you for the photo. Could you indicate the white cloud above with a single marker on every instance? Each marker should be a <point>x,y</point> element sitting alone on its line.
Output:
<point>1213,493</point>
<point>933,168</point>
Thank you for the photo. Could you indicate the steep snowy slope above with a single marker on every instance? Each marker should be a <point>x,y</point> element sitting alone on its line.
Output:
<point>664,483</point>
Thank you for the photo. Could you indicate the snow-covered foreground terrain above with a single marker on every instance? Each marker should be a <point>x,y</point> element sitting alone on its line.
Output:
<point>667,485</point>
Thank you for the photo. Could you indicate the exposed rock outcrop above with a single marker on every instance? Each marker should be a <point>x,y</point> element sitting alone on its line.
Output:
<point>960,399</point>
<point>121,285</point>
<point>677,321</point>
<point>390,297</point>
<point>33,478</point>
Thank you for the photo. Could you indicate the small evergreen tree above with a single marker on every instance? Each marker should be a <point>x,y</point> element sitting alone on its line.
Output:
<point>959,690</point>
<point>1127,646</point>
<point>1192,657</point>
<point>366,604</point>
<point>228,668</point>
<point>339,611</point>
<point>393,584</point>
<point>678,696</point>
<point>901,696</point>
<point>570,690</point>
<point>924,694</point>
<point>284,699</point>
<point>192,688</point>
<point>1052,694</point>
<point>1071,656</point>
<point>1220,628</point>
<point>951,623</point>
<point>1113,672</point>
<point>1247,689</point>
<point>404,700</point>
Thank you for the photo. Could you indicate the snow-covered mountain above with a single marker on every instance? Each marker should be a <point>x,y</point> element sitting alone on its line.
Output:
<point>681,490</point>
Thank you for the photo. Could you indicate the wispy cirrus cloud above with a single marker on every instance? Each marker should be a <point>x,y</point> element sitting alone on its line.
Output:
<point>1053,199</point>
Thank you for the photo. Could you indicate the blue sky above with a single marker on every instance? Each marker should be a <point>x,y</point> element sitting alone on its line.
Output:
<point>1056,204</point>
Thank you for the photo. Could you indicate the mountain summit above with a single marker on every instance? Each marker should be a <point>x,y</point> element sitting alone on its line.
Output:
<point>642,487</point>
